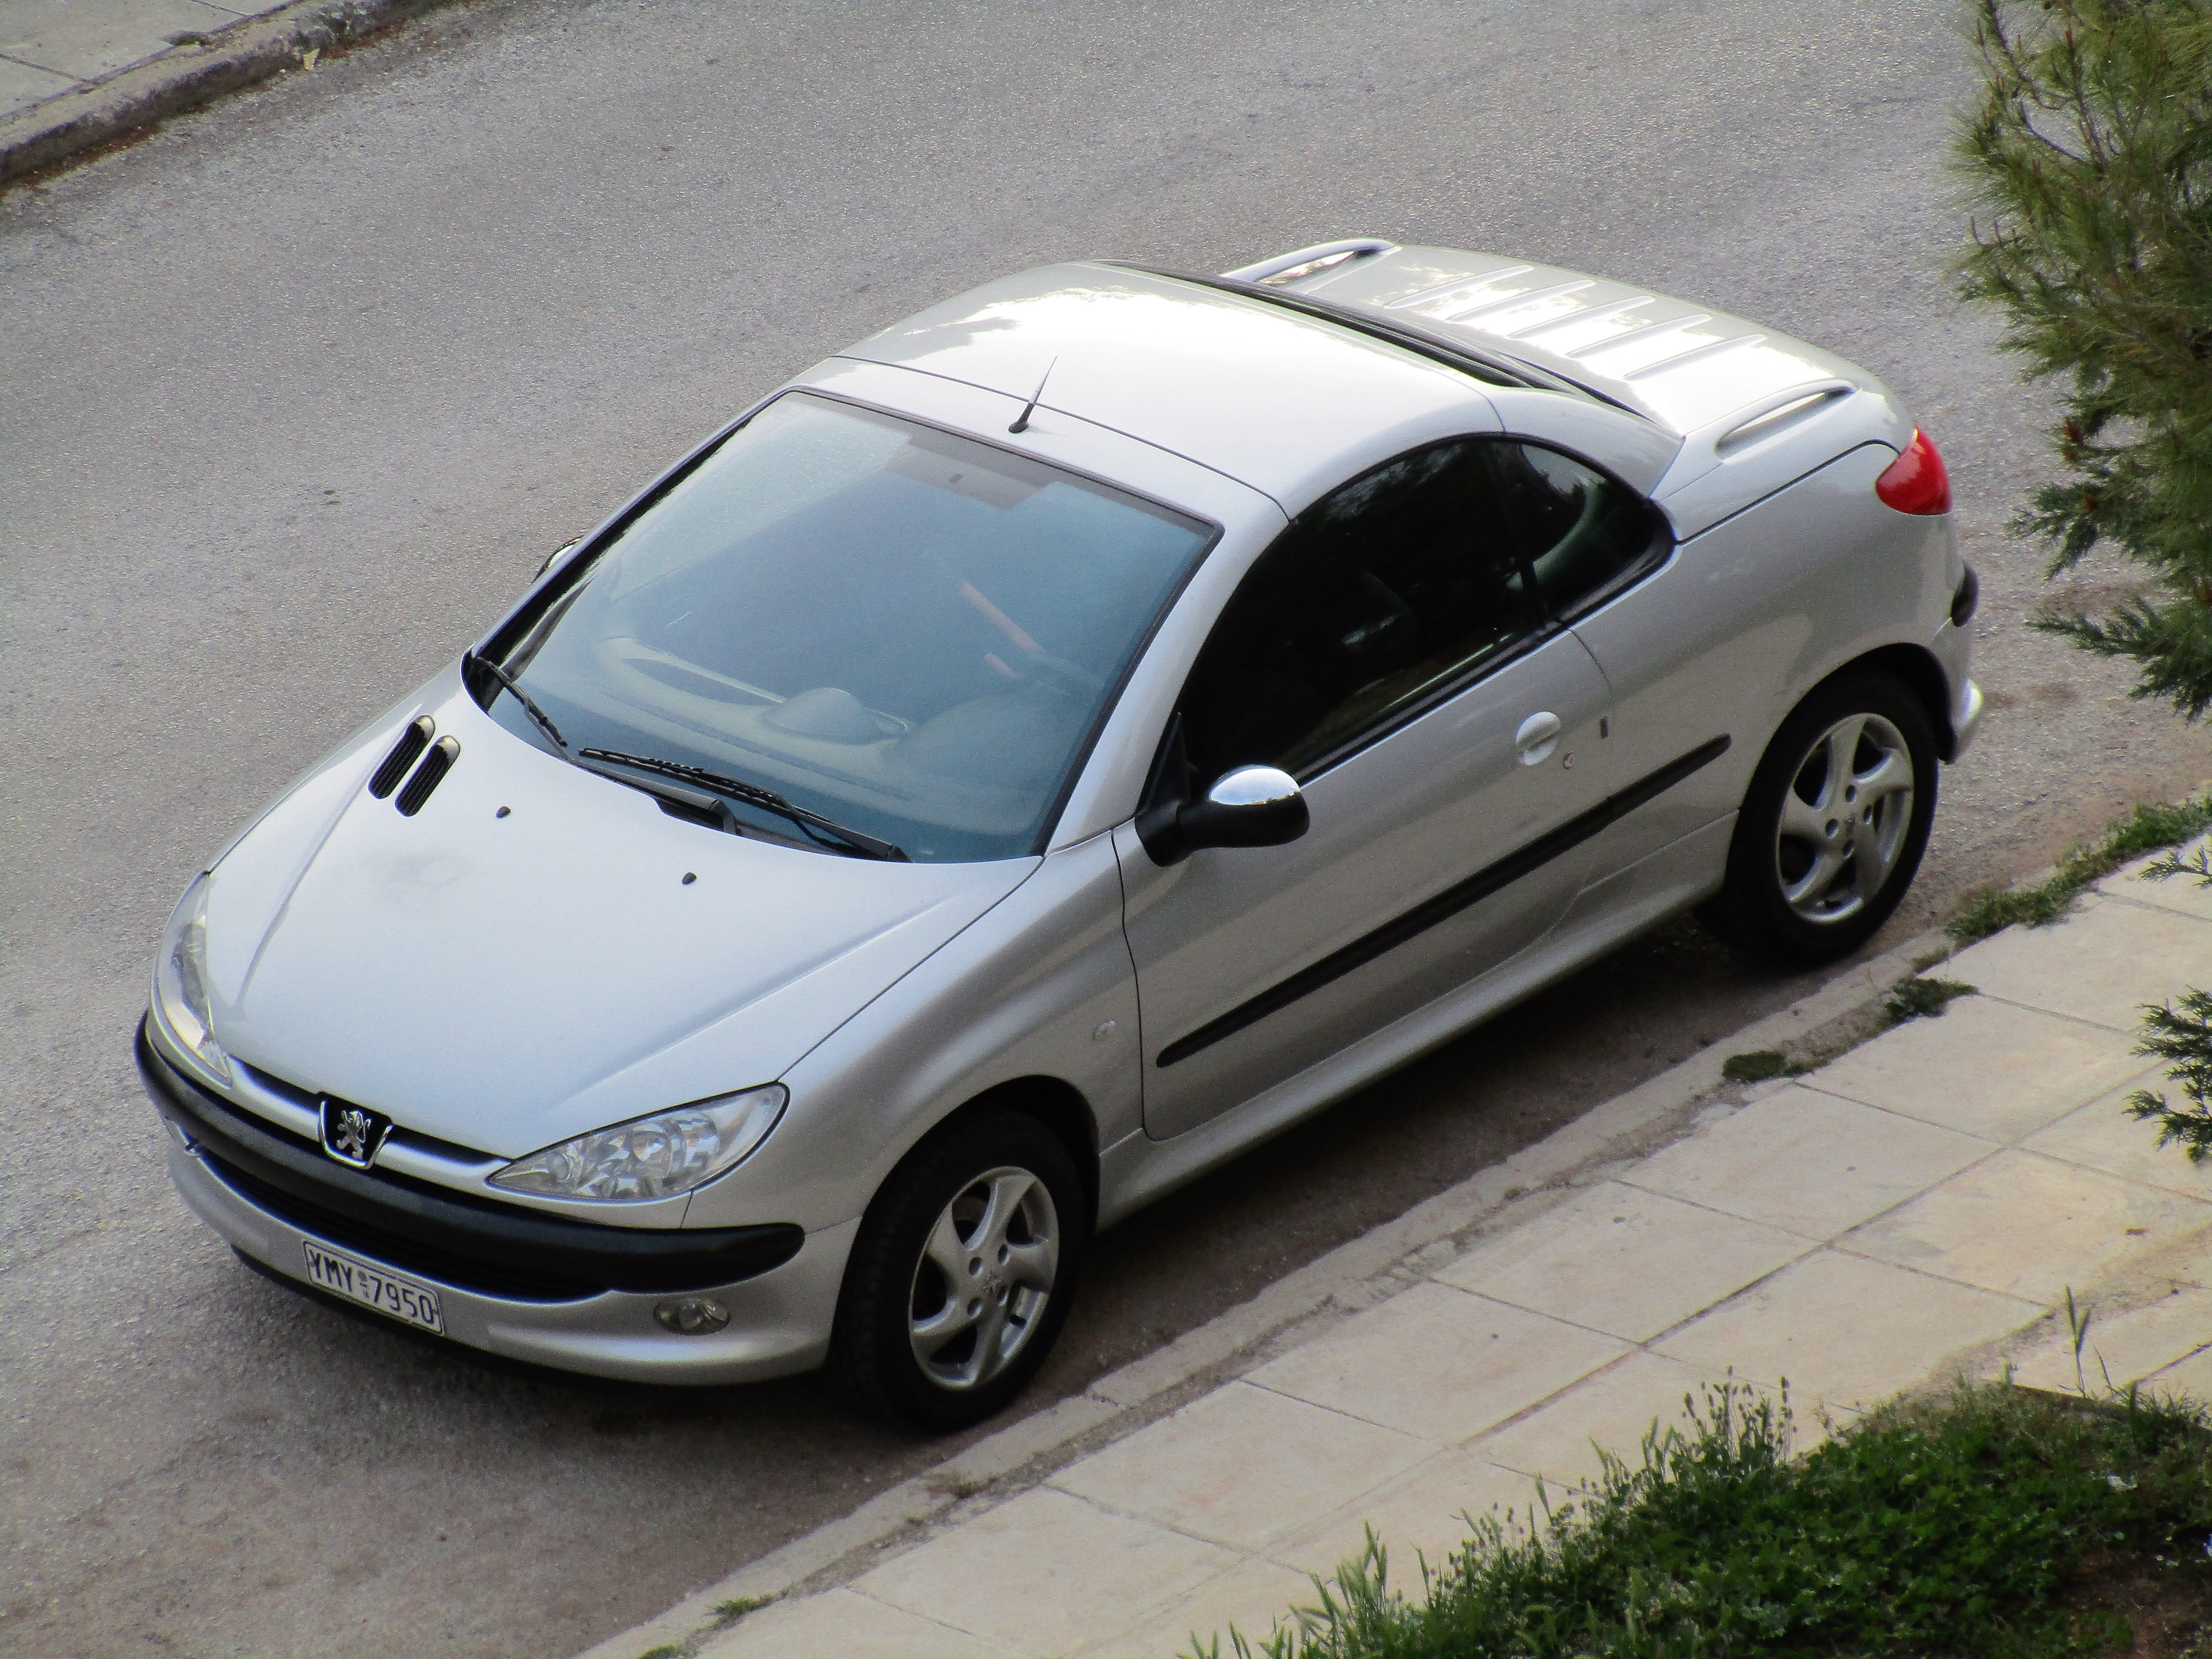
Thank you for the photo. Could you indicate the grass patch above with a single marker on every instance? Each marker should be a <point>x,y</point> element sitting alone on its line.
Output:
<point>2000,1523</point>
<point>1760,1065</point>
<point>2151,828</point>
<point>729,1611</point>
<point>1923,998</point>
<point>666,1650</point>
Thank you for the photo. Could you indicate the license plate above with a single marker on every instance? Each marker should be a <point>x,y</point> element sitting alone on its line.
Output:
<point>350,1276</point>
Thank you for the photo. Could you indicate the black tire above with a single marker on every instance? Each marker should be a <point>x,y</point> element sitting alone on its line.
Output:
<point>873,1364</point>
<point>1753,910</point>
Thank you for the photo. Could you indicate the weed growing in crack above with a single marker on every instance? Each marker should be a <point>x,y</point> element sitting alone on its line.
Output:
<point>1760,1065</point>
<point>1923,998</point>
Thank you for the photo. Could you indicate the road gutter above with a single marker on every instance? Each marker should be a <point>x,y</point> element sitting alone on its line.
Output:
<point>131,98</point>
<point>1354,1275</point>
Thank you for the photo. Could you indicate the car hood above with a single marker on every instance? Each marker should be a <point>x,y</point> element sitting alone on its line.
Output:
<point>539,952</point>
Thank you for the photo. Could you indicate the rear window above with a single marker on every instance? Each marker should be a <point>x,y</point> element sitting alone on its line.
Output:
<point>1588,537</point>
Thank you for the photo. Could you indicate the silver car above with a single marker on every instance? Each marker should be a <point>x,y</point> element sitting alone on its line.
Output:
<point>1026,760</point>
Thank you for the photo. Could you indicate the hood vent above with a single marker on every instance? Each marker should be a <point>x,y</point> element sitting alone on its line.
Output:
<point>428,776</point>
<point>412,742</point>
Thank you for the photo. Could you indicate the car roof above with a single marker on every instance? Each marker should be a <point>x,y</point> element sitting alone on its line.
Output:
<point>1681,365</point>
<point>1286,403</point>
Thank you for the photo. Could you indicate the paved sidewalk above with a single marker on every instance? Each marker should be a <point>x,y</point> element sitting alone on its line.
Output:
<point>74,74</point>
<point>1915,1209</point>
<point>50,47</point>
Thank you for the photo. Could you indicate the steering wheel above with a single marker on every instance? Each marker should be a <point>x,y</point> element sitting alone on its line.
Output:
<point>1058,674</point>
<point>1041,671</point>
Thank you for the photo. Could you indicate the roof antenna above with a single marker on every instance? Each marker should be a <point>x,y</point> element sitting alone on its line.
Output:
<point>1022,421</point>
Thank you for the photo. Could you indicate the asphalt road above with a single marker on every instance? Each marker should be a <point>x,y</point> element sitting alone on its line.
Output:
<point>296,393</point>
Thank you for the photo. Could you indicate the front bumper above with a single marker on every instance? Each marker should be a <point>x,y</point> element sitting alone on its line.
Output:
<point>534,1309</point>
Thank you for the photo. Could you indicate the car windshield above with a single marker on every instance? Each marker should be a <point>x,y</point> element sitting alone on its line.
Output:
<point>912,634</point>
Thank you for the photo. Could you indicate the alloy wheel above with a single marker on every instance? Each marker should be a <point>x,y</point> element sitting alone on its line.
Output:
<point>1845,817</point>
<point>985,1274</point>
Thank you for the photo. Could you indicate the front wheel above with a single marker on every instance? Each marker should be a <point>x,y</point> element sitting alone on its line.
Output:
<point>1833,826</point>
<point>960,1278</point>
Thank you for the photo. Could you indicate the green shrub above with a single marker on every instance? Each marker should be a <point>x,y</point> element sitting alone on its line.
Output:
<point>2088,157</point>
<point>2183,1038</point>
<point>1947,1528</point>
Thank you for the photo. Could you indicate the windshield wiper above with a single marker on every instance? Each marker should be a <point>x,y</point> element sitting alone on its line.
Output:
<point>529,706</point>
<point>826,831</point>
<point>700,806</point>
<point>822,831</point>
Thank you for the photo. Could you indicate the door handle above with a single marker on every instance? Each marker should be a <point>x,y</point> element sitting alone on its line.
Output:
<point>1537,737</point>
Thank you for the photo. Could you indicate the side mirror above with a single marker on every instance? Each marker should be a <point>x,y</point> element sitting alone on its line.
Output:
<point>1251,807</point>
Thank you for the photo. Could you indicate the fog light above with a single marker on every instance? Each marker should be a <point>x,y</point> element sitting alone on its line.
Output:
<point>693,1315</point>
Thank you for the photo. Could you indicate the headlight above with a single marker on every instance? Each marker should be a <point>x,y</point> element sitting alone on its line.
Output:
<point>658,1157</point>
<point>180,997</point>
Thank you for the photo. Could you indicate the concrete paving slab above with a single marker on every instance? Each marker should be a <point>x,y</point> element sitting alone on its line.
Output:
<point>1424,1514</point>
<point>2186,894</point>
<point>2030,1226</point>
<point>24,84</point>
<point>1044,1573</point>
<point>1846,1332</point>
<point>1242,1465</point>
<point>1623,1261</point>
<point>2101,963</point>
<point>1250,1598</point>
<point>1439,1362</point>
<point>89,38</point>
<point>1612,1410</point>
<point>2124,1347</point>
<point>849,1626</point>
<point>2190,1379</point>
<point>1985,1068</point>
<point>1806,1163</point>
<point>2102,1136</point>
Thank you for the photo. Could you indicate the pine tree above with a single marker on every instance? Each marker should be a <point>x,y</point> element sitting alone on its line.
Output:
<point>2089,161</point>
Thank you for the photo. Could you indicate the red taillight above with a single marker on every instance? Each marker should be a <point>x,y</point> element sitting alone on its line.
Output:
<point>1916,481</point>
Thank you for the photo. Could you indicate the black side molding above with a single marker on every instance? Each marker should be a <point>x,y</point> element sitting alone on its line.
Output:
<point>1445,905</point>
<point>481,1244</point>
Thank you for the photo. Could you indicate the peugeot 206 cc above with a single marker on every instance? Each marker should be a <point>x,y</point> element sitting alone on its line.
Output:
<point>1029,758</point>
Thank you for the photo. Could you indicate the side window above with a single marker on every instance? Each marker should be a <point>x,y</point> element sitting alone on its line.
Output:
<point>1375,599</point>
<point>1588,536</point>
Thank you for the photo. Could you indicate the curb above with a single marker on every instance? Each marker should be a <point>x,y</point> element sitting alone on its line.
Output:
<point>1124,1400</point>
<point>238,55</point>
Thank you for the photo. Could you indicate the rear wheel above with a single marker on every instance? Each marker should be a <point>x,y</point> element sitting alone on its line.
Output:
<point>1833,826</point>
<point>960,1279</point>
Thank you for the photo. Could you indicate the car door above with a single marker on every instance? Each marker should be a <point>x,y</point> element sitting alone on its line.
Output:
<point>1391,652</point>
